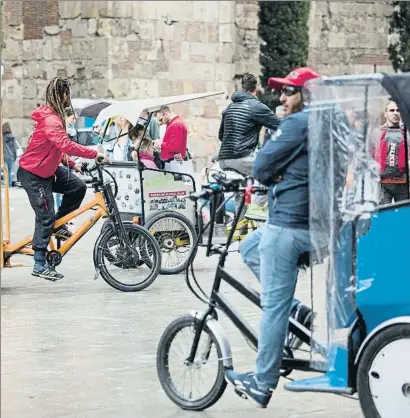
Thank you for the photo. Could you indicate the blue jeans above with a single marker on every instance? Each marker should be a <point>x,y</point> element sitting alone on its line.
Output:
<point>57,200</point>
<point>272,253</point>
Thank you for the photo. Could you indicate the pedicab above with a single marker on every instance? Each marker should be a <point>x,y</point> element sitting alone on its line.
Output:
<point>359,270</point>
<point>157,199</point>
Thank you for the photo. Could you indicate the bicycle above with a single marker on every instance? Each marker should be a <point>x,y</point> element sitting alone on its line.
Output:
<point>207,322</point>
<point>125,245</point>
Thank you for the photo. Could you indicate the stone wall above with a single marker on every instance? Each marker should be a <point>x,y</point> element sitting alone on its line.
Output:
<point>139,49</point>
<point>129,50</point>
<point>349,37</point>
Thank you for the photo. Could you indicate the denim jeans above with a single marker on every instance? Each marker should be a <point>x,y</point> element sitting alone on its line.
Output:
<point>272,253</point>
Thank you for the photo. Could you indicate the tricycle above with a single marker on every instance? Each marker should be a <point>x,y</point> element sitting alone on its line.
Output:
<point>157,199</point>
<point>359,342</point>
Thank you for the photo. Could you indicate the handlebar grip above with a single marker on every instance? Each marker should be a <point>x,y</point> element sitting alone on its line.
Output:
<point>99,159</point>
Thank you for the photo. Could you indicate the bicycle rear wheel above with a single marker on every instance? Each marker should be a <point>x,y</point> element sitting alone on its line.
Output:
<point>188,397</point>
<point>139,262</point>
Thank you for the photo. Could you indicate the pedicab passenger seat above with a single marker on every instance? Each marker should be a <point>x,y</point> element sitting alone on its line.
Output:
<point>313,257</point>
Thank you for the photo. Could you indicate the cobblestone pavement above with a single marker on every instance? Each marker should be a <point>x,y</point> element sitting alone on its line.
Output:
<point>78,348</point>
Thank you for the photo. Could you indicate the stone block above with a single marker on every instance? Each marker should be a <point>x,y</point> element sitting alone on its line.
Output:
<point>181,11</point>
<point>174,32</point>
<point>13,12</point>
<point>91,9</point>
<point>202,52</point>
<point>165,87</point>
<point>52,30</point>
<point>225,52</point>
<point>78,27</point>
<point>92,27</point>
<point>83,49</point>
<point>196,108</point>
<point>210,109</point>
<point>195,32</point>
<point>143,88</point>
<point>41,86</point>
<point>117,9</point>
<point>32,50</point>
<point>172,50</point>
<point>338,40</point>
<point>101,48</point>
<point>33,69</point>
<point>12,108</point>
<point>12,50</point>
<point>69,9</point>
<point>226,12</point>
<point>212,127</point>
<point>66,37</point>
<point>205,11</point>
<point>202,86</point>
<point>224,72</point>
<point>120,88</point>
<point>16,70</point>
<point>145,69</point>
<point>181,109</point>
<point>60,51</point>
<point>12,89</point>
<point>145,10</point>
<point>182,70</point>
<point>15,32</point>
<point>227,32</point>
<point>29,89</point>
<point>144,29</point>
<point>29,106</point>
<point>105,27</point>
<point>212,31</point>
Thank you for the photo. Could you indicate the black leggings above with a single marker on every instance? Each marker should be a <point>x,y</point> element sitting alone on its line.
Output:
<point>40,193</point>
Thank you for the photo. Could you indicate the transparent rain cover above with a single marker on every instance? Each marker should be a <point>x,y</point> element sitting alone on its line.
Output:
<point>345,117</point>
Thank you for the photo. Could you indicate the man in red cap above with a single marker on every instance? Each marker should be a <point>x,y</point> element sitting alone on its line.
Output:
<point>272,252</point>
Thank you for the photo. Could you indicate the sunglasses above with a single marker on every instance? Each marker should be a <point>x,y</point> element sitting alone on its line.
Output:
<point>290,90</point>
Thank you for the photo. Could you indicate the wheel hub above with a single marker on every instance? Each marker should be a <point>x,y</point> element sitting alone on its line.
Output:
<point>389,379</point>
<point>168,243</point>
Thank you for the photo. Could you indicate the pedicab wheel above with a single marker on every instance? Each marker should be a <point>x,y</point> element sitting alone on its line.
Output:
<point>176,237</point>
<point>208,360</point>
<point>383,375</point>
<point>141,259</point>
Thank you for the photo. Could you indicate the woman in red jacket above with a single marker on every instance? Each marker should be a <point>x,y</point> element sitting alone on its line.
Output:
<point>41,174</point>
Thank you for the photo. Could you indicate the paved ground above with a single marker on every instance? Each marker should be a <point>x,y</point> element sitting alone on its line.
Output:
<point>78,348</point>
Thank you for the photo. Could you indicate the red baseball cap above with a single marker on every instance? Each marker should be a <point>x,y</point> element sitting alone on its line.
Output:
<point>297,78</point>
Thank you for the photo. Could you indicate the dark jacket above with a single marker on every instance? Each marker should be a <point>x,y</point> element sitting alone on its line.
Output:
<point>241,123</point>
<point>10,147</point>
<point>282,164</point>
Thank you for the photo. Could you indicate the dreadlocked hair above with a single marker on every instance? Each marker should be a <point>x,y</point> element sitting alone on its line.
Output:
<point>56,89</point>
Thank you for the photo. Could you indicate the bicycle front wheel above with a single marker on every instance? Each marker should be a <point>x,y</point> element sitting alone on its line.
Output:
<point>192,386</point>
<point>137,262</point>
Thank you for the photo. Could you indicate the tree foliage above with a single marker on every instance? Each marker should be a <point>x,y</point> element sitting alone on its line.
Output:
<point>399,39</point>
<point>283,29</point>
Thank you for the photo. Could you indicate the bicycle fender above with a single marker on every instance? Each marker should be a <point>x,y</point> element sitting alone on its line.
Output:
<point>220,336</point>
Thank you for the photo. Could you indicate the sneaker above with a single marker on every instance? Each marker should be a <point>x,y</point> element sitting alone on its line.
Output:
<point>304,316</point>
<point>246,387</point>
<point>47,273</point>
<point>63,232</point>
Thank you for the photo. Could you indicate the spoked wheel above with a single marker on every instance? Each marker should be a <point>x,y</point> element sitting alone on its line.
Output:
<point>176,237</point>
<point>192,386</point>
<point>383,377</point>
<point>137,263</point>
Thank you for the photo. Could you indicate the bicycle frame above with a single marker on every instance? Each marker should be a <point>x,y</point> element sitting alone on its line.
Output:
<point>218,301</point>
<point>21,247</point>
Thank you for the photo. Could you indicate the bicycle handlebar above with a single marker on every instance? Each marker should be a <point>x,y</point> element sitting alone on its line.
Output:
<point>223,185</point>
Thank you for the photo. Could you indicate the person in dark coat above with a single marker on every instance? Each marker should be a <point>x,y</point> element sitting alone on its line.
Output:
<point>9,150</point>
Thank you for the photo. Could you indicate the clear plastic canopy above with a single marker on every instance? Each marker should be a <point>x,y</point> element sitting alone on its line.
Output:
<point>345,119</point>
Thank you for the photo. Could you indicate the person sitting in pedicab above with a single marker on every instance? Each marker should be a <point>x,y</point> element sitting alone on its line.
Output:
<point>272,252</point>
<point>174,144</point>
<point>123,146</point>
<point>41,174</point>
<point>146,153</point>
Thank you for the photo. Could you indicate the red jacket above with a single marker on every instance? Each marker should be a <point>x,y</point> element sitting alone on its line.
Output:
<point>175,139</point>
<point>48,144</point>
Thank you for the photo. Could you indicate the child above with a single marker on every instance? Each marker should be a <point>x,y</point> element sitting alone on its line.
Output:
<point>146,153</point>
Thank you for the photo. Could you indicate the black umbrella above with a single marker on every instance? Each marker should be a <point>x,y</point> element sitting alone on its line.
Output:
<point>93,109</point>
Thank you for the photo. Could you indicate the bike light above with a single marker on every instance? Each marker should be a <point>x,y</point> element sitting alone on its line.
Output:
<point>136,220</point>
<point>248,195</point>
